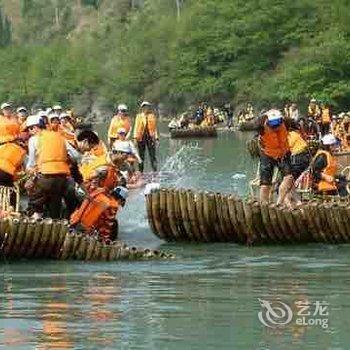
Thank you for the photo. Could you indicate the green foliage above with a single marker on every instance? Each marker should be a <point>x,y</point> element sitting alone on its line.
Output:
<point>178,52</point>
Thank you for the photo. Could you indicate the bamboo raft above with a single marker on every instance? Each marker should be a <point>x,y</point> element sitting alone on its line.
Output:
<point>184,215</point>
<point>52,239</point>
<point>195,132</point>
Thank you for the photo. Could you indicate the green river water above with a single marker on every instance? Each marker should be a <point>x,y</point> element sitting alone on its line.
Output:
<point>207,298</point>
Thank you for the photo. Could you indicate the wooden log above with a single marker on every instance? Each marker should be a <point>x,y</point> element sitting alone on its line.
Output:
<point>239,229</point>
<point>270,230</point>
<point>155,199</point>
<point>191,205</point>
<point>248,218</point>
<point>115,251</point>
<point>82,248</point>
<point>208,214</point>
<point>230,230</point>
<point>333,233</point>
<point>10,238</point>
<point>278,231</point>
<point>170,203</point>
<point>178,217</point>
<point>199,201</point>
<point>164,215</point>
<point>54,239</point>
<point>90,248</point>
<point>28,237</point>
<point>242,219</point>
<point>283,224</point>
<point>220,222</point>
<point>41,249</point>
<point>67,247</point>
<point>150,217</point>
<point>20,237</point>
<point>105,250</point>
<point>35,239</point>
<point>185,216</point>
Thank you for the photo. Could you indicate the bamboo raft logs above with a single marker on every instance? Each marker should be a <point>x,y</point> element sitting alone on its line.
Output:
<point>187,216</point>
<point>208,131</point>
<point>253,147</point>
<point>52,239</point>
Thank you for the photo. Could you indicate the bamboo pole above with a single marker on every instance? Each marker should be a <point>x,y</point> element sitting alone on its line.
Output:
<point>82,248</point>
<point>275,224</point>
<point>105,250</point>
<point>185,215</point>
<point>230,230</point>
<point>191,205</point>
<point>97,250</point>
<point>220,221</point>
<point>241,219</point>
<point>164,215</point>
<point>41,249</point>
<point>234,217</point>
<point>10,239</point>
<point>207,213</point>
<point>333,234</point>
<point>20,237</point>
<point>217,235</point>
<point>67,247</point>
<point>54,239</point>
<point>171,215</point>
<point>155,198</point>
<point>178,216</point>
<point>90,248</point>
<point>283,224</point>
<point>199,201</point>
<point>150,214</point>
<point>35,239</point>
<point>248,215</point>
<point>115,251</point>
<point>264,207</point>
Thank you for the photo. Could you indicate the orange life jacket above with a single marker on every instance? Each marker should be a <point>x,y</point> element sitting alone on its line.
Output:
<point>274,141</point>
<point>143,123</point>
<point>52,153</point>
<point>90,211</point>
<point>330,169</point>
<point>118,123</point>
<point>11,157</point>
<point>326,115</point>
<point>9,129</point>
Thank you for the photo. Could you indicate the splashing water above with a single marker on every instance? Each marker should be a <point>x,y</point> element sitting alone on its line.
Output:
<point>186,167</point>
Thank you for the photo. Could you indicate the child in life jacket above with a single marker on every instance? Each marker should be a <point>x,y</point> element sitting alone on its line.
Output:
<point>97,213</point>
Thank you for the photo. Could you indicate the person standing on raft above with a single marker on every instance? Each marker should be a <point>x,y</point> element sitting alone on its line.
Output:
<point>324,169</point>
<point>275,152</point>
<point>146,135</point>
<point>120,121</point>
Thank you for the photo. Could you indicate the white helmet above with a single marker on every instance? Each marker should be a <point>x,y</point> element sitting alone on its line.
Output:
<point>6,105</point>
<point>122,107</point>
<point>33,120</point>
<point>42,114</point>
<point>329,140</point>
<point>57,108</point>
<point>64,115</point>
<point>53,115</point>
<point>274,117</point>
<point>121,131</point>
<point>21,109</point>
<point>145,103</point>
<point>121,146</point>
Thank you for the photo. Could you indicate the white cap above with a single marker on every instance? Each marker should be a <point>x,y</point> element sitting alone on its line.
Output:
<point>64,115</point>
<point>274,114</point>
<point>329,140</point>
<point>53,115</point>
<point>56,107</point>
<point>6,105</point>
<point>122,107</point>
<point>121,131</point>
<point>42,114</point>
<point>121,146</point>
<point>33,120</point>
<point>145,103</point>
<point>20,109</point>
<point>313,100</point>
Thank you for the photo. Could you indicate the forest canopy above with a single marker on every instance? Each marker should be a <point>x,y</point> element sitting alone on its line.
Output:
<point>176,52</point>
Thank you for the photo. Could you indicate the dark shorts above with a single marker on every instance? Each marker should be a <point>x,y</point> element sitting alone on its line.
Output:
<point>267,166</point>
<point>299,163</point>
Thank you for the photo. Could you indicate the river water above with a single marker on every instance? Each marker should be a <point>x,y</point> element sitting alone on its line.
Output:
<point>207,298</point>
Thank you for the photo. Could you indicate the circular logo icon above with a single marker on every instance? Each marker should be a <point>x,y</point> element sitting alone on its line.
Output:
<point>274,315</point>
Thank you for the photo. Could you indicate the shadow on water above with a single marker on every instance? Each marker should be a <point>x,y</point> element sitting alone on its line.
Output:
<point>207,298</point>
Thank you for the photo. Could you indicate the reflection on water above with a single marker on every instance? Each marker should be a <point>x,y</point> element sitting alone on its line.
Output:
<point>207,298</point>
